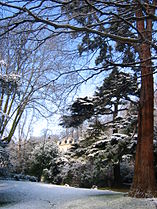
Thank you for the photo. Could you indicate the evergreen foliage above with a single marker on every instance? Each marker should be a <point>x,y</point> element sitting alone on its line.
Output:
<point>117,89</point>
<point>111,98</point>
<point>80,110</point>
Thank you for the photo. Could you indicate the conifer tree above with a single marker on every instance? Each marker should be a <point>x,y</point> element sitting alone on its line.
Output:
<point>116,91</point>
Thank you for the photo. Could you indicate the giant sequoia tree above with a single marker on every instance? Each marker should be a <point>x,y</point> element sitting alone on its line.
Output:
<point>119,33</point>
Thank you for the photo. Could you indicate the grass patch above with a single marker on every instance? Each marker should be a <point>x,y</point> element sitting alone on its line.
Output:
<point>116,189</point>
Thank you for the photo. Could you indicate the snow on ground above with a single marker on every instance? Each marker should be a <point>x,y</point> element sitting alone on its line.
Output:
<point>29,195</point>
<point>111,203</point>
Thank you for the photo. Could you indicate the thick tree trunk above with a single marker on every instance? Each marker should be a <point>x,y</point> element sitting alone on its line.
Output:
<point>144,184</point>
<point>144,176</point>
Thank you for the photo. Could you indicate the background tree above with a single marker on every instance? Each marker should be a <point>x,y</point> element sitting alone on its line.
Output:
<point>111,98</point>
<point>117,90</point>
<point>27,81</point>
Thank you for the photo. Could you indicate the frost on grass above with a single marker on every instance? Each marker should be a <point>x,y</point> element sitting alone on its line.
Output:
<point>111,202</point>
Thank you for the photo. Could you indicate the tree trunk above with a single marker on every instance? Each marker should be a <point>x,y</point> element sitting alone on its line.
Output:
<point>116,173</point>
<point>115,114</point>
<point>116,167</point>
<point>144,184</point>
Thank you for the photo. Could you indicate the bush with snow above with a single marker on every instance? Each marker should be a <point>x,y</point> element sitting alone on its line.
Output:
<point>5,165</point>
<point>43,157</point>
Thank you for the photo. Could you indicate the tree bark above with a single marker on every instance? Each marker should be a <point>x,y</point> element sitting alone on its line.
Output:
<point>116,173</point>
<point>115,114</point>
<point>116,167</point>
<point>144,183</point>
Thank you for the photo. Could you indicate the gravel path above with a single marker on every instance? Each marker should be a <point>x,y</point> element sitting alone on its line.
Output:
<point>29,195</point>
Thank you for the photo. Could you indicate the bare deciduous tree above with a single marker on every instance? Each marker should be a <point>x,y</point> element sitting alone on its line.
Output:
<point>28,80</point>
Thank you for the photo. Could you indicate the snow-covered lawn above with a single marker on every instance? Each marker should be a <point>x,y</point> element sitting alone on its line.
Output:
<point>29,195</point>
